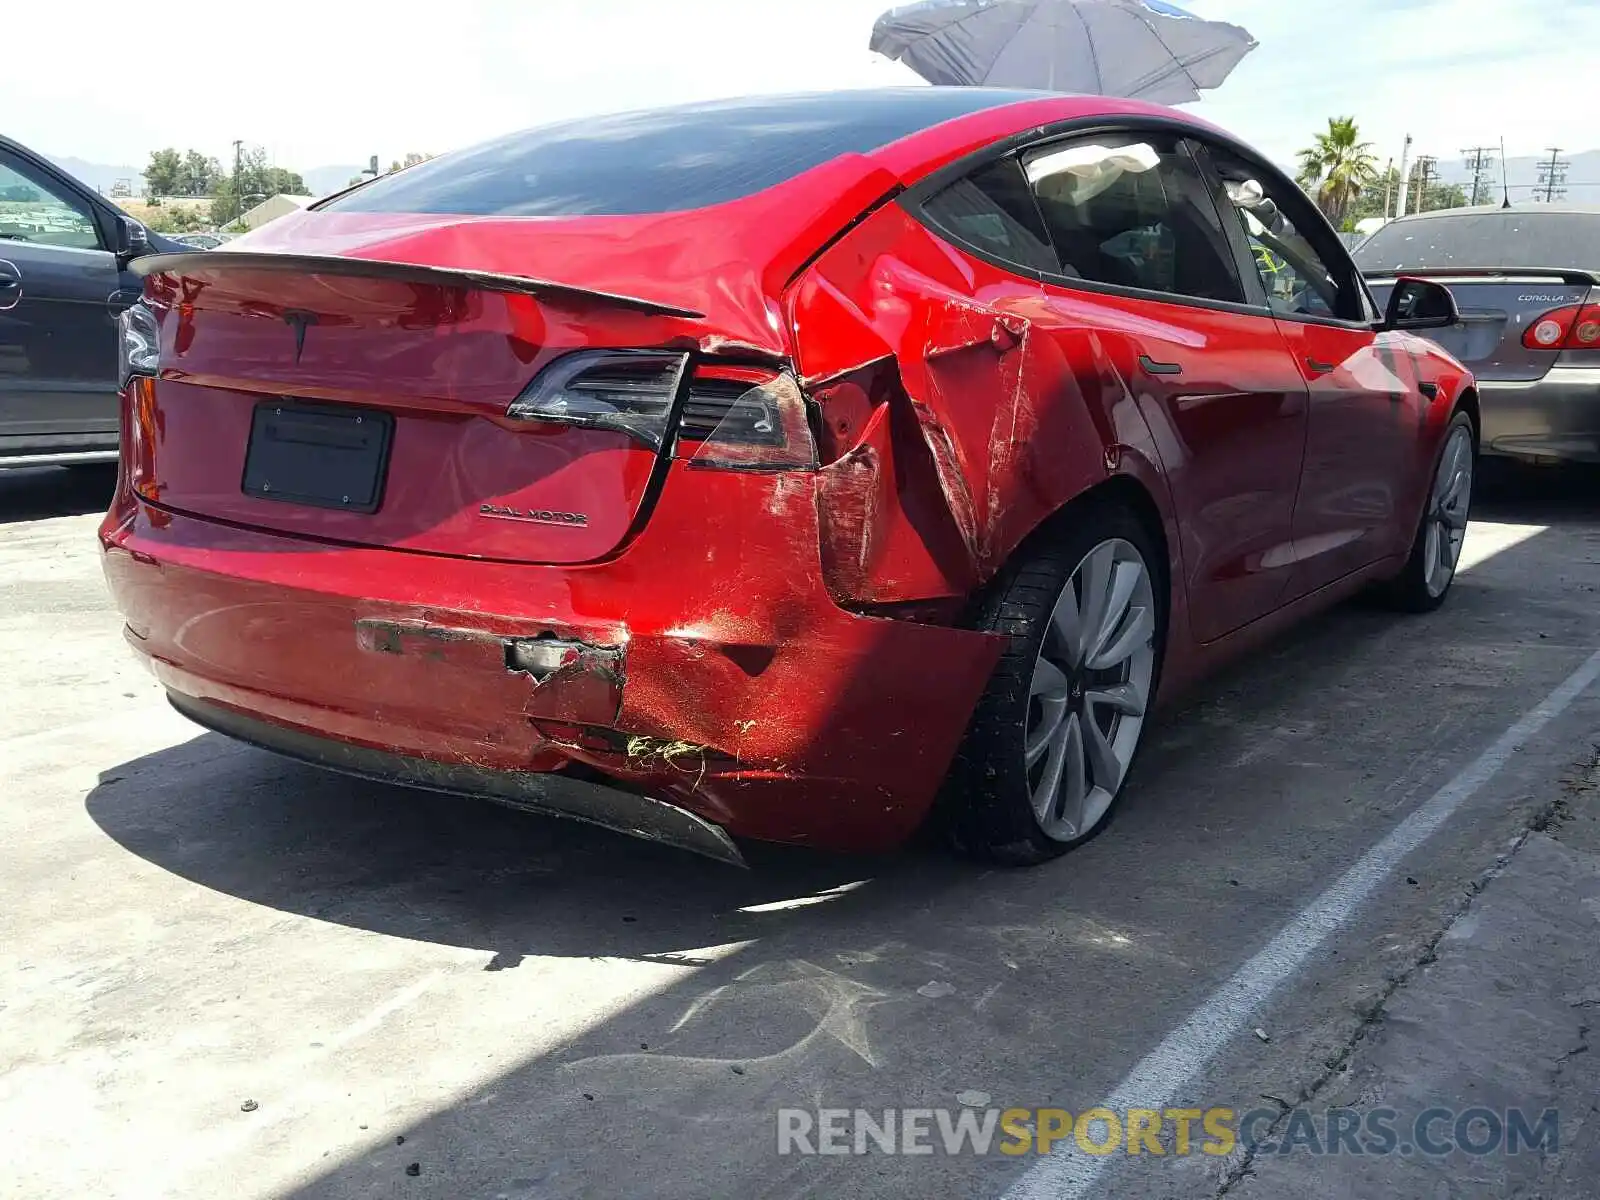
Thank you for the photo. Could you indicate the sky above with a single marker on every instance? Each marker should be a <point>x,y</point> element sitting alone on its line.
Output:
<point>334,81</point>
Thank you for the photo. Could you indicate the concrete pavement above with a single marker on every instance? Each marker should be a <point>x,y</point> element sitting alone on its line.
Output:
<point>222,973</point>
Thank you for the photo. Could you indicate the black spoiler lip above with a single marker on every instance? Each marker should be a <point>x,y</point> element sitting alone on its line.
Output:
<point>373,268</point>
<point>1565,274</point>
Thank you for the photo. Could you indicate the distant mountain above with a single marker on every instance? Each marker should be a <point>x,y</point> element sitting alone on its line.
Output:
<point>104,176</point>
<point>1583,177</point>
<point>101,176</point>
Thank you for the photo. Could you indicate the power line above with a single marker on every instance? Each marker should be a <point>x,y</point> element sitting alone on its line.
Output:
<point>1553,177</point>
<point>1480,161</point>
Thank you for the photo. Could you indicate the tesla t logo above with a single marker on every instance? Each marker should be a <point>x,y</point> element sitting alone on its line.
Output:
<point>299,321</point>
<point>534,516</point>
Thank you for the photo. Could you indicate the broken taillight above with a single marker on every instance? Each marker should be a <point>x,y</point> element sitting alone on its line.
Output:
<point>630,391</point>
<point>731,416</point>
<point>745,418</point>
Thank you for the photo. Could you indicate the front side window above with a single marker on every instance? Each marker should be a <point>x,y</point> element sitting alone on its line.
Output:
<point>1297,277</point>
<point>1133,211</point>
<point>30,211</point>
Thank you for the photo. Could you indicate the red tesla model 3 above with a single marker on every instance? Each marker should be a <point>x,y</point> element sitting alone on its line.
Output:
<point>805,467</point>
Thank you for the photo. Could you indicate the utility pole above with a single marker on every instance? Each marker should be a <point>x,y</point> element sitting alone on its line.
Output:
<point>1405,159</point>
<point>1553,177</point>
<point>1388,188</point>
<point>1480,161</point>
<point>1427,178</point>
<point>238,180</point>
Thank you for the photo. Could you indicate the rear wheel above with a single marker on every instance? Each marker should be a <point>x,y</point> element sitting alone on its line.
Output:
<point>1056,733</point>
<point>1436,551</point>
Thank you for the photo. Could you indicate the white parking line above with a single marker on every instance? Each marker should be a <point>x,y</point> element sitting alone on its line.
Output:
<point>1159,1078</point>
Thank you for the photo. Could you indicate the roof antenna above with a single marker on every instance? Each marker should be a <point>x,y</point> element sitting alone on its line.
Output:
<point>1505,179</point>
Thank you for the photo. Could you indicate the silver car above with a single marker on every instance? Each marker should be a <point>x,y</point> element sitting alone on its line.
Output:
<point>1527,281</point>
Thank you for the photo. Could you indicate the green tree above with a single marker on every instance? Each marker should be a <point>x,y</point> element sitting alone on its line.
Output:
<point>1445,195</point>
<point>254,181</point>
<point>1377,199</point>
<point>164,175</point>
<point>201,176</point>
<point>1337,167</point>
<point>174,218</point>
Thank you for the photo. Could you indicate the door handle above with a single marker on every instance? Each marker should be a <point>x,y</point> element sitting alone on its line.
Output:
<point>7,282</point>
<point>1153,367</point>
<point>1318,367</point>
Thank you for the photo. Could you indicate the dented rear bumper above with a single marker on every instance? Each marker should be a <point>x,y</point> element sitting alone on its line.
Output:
<point>706,667</point>
<point>632,814</point>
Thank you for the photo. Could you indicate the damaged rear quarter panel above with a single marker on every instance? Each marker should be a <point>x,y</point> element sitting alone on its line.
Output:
<point>958,426</point>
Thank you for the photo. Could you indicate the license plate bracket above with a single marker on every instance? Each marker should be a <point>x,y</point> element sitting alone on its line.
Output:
<point>323,455</point>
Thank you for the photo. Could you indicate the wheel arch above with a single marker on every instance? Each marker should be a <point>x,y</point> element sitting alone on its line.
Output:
<point>1123,489</point>
<point>1469,403</point>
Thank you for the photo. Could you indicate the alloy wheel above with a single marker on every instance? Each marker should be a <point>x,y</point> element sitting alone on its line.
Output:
<point>1448,507</point>
<point>1090,690</point>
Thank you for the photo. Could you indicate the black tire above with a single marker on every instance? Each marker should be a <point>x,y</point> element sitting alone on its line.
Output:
<point>1408,591</point>
<point>986,809</point>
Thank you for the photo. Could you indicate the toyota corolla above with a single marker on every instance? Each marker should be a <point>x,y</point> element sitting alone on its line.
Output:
<point>808,469</point>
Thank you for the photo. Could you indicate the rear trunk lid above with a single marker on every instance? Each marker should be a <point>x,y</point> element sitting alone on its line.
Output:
<point>366,403</point>
<point>1497,310</point>
<point>1506,267</point>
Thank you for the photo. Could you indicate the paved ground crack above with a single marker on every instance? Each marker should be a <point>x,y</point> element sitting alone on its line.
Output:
<point>1548,816</point>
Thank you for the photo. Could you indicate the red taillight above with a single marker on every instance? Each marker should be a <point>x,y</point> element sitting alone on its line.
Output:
<point>140,436</point>
<point>738,417</point>
<point>1586,329</point>
<point>1574,327</point>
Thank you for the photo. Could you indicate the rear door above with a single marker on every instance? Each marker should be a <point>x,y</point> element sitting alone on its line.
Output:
<point>59,294</point>
<point>1146,292</point>
<point>1366,411</point>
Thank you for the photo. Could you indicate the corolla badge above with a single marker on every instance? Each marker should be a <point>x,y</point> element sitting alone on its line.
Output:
<point>534,516</point>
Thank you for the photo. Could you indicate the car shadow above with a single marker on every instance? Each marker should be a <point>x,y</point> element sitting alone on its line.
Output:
<point>34,493</point>
<point>457,870</point>
<point>1517,494</point>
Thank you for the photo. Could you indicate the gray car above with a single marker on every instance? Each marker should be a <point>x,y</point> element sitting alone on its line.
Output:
<point>64,257</point>
<point>1527,281</point>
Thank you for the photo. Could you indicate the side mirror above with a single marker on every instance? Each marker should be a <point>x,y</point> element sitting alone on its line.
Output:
<point>1420,304</point>
<point>132,240</point>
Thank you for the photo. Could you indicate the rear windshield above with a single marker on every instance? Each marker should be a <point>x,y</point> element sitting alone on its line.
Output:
<point>1508,238</point>
<point>667,160</point>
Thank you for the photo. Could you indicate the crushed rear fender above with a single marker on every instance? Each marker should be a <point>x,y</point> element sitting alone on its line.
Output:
<point>942,410</point>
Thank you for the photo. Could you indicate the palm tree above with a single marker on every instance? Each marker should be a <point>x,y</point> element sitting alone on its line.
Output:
<point>1337,166</point>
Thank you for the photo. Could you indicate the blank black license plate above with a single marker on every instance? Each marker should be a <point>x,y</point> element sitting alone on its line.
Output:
<point>319,455</point>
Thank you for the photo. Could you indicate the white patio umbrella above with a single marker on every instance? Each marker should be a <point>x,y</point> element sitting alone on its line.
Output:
<point>1142,49</point>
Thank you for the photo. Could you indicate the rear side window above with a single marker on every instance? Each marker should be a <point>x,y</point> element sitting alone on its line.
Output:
<point>1133,211</point>
<point>991,210</point>
<point>1505,238</point>
<point>667,160</point>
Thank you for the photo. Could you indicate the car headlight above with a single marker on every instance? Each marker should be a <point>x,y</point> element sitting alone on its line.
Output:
<point>138,343</point>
